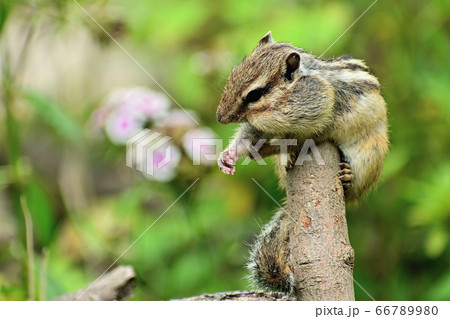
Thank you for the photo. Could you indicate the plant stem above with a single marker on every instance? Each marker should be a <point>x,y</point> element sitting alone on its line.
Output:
<point>30,247</point>
<point>43,275</point>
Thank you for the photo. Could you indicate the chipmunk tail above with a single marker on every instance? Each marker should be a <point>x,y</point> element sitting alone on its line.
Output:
<point>269,258</point>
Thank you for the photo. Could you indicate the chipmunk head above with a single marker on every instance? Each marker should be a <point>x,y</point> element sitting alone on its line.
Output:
<point>259,81</point>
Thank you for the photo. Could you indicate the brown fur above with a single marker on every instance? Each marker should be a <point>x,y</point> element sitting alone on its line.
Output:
<point>338,100</point>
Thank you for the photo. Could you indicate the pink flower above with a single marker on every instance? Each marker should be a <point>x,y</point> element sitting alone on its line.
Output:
<point>121,125</point>
<point>163,162</point>
<point>146,103</point>
<point>124,112</point>
<point>201,145</point>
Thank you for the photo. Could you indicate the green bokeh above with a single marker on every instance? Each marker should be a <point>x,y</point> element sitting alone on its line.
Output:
<point>88,207</point>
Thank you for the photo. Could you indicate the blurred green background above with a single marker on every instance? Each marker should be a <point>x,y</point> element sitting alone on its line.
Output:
<point>86,207</point>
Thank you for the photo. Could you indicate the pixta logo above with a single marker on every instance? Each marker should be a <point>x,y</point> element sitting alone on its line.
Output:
<point>149,151</point>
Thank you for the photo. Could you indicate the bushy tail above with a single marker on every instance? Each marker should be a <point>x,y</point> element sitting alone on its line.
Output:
<point>269,257</point>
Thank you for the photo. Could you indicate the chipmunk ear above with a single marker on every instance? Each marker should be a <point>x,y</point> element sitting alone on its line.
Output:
<point>292,64</point>
<point>266,39</point>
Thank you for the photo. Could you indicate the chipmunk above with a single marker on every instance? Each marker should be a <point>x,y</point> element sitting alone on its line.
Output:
<point>280,91</point>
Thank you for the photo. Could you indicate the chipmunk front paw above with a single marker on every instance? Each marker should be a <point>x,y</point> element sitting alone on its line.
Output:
<point>227,160</point>
<point>292,158</point>
<point>345,174</point>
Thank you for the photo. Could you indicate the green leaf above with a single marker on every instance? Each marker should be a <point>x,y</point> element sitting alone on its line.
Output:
<point>5,7</point>
<point>42,214</point>
<point>54,115</point>
<point>441,288</point>
<point>436,242</point>
<point>64,276</point>
<point>4,176</point>
<point>396,159</point>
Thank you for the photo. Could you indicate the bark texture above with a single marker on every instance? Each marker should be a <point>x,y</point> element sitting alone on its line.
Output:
<point>117,284</point>
<point>320,253</point>
<point>241,296</point>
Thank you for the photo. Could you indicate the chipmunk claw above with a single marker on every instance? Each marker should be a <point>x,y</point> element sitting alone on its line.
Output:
<point>345,174</point>
<point>292,158</point>
<point>227,160</point>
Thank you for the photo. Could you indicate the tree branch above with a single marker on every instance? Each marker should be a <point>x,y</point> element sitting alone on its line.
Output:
<point>321,257</point>
<point>118,284</point>
<point>241,296</point>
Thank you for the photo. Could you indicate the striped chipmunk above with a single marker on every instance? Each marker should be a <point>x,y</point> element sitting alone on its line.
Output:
<point>283,92</point>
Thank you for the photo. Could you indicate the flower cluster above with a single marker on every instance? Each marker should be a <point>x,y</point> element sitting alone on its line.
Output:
<point>126,112</point>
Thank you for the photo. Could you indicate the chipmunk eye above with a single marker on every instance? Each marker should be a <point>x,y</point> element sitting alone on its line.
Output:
<point>254,95</point>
